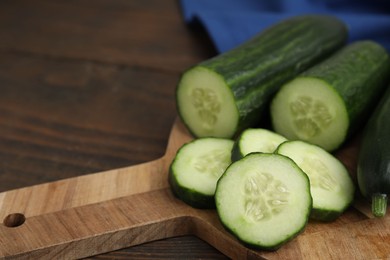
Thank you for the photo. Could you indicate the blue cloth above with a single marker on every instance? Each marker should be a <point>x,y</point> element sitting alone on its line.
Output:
<point>231,22</point>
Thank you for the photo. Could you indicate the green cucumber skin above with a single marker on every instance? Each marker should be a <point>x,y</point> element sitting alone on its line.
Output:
<point>190,197</point>
<point>255,70</point>
<point>373,169</point>
<point>236,152</point>
<point>326,215</point>
<point>267,248</point>
<point>359,73</point>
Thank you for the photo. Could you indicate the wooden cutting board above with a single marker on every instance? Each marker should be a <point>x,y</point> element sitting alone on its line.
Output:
<point>106,211</point>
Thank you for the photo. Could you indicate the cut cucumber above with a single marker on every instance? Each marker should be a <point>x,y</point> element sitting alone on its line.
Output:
<point>196,168</point>
<point>328,102</point>
<point>309,109</point>
<point>264,200</point>
<point>230,92</point>
<point>331,186</point>
<point>256,140</point>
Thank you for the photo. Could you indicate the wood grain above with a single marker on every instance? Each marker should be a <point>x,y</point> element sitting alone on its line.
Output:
<point>88,86</point>
<point>120,32</point>
<point>94,120</point>
<point>75,77</point>
<point>102,212</point>
<point>88,189</point>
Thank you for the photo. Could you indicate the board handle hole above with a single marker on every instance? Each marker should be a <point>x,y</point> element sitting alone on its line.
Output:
<point>14,220</point>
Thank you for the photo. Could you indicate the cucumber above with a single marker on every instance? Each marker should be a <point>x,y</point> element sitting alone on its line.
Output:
<point>331,186</point>
<point>256,140</point>
<point>327,103</point>
<point>373,168</point>
<point>264,200</point>
<point>196,168</point>
<point>230,92</point>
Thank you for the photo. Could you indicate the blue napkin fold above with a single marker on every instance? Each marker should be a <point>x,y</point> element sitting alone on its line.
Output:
<point>231,22</point>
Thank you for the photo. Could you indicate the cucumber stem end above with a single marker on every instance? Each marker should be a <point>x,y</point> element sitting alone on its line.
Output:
<point>379,205</point>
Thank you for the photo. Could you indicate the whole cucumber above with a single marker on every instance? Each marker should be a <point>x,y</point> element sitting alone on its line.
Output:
<point>373,169</point>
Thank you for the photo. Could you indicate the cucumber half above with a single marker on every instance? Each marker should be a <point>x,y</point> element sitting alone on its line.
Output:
<point>310,109</point>
<point>196,169</point>
<point>331,100</point>
<point>331,186</point>
<point>264,200</point>
<point>207,100</point>
<point>256,140</point>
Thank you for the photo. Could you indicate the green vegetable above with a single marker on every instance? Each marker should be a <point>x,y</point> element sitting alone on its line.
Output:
<point>230,92</point>
<point>331,186</point>
<point>196,169</point>
<point>264,200</point>
<point>256,140</point>
<point>373,169</point>
<point>330,101</point>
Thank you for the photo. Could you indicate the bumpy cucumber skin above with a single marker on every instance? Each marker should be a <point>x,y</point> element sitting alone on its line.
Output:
<point>255,70</point>
<point>286,240</point>
<point>358,73</point>
<point>189,196</point>
<point>373,169</point>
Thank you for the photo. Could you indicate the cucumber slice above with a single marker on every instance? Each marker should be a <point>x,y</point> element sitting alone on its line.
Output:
<point>264,200</point>
<point>331,186</point>
<point>196,169</point>
<point>309,109</point>
<point>256,140</point>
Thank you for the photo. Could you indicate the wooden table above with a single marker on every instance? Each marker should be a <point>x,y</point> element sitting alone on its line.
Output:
<point>87,86</point>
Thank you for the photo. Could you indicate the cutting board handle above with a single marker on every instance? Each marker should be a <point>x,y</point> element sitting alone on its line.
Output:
<point>106,211</point>
<point>110,225</point>
<point>27,208</point>
<point>92,188</point>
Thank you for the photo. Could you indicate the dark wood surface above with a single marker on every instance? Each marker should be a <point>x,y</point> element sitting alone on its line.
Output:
<point>87,86</point>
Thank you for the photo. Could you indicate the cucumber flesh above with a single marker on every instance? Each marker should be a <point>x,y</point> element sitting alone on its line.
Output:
<point>330,101</point>
<point>331,186</point>
<point>309,109</point>
<point>264,200</point>
<point>206,99</point>
<point>196,169</point>
<point>256,140</point>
